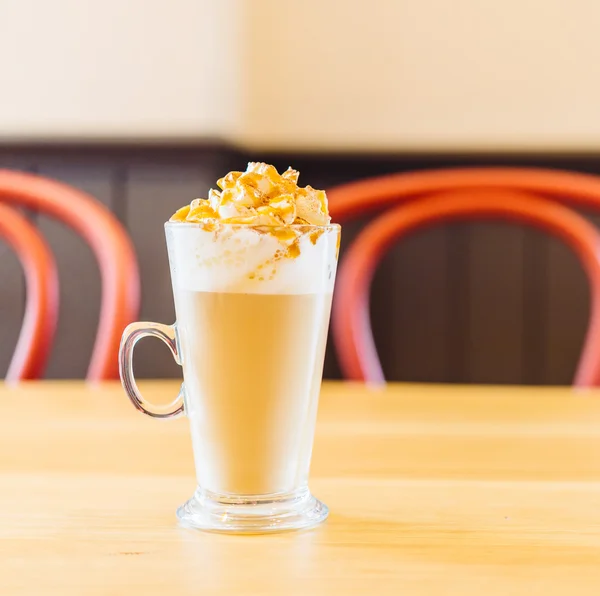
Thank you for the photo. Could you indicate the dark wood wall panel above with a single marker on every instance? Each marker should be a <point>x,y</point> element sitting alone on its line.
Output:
<point>457,303</point>
<point>463,303</point>
<point>535,302</point>
<point>494,333</point>
<point>409,306</point>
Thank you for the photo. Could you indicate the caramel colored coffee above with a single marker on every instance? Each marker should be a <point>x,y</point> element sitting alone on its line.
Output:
<point>252,367</point>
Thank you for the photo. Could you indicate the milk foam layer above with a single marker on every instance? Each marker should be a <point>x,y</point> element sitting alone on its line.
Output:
<point>244,259</point>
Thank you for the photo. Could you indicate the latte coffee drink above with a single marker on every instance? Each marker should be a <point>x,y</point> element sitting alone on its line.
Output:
<point>252,268</point>
<point>254,383</point>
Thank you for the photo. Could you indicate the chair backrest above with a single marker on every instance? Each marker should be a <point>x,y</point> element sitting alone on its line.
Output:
<point>110,244</point>
<point>363,196</point>
<point>41,307</point>
<point>351,324</point>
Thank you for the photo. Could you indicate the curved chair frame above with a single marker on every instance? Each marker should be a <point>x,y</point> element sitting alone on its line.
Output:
<point>351,323</point>
<point>110,244</point>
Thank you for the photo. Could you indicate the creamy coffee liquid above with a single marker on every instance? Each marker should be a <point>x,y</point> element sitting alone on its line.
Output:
<point>252,318</point>
<point>252,386</point>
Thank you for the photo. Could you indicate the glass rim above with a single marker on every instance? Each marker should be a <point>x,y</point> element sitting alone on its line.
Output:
<point>233,226</point>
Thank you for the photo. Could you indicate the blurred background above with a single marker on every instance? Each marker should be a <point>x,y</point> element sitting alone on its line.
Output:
<point>144,104</point>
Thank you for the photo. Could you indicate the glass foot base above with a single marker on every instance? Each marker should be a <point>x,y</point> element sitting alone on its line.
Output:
<point>252,515</point>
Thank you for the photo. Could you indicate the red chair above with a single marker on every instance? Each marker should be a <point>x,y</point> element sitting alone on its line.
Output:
<point>111,246</point>
<point>359,198</point>
<point>41,307</point>
<point>351,325</point>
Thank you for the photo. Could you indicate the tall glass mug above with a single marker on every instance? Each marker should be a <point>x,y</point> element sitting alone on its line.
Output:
<point>252,318</point>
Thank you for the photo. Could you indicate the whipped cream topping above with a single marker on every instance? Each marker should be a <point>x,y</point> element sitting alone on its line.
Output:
<point>260,196</point>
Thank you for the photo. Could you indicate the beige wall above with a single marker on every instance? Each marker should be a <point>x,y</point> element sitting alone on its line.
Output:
<point>428,74</point>
<point>327,74</point>
<point>117,68</point>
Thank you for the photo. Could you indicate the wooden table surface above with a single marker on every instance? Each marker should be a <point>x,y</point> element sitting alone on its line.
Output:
<point>432,490</point>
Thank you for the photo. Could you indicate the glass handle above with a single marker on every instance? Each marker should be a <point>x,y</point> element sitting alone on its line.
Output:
<point>132,334</point>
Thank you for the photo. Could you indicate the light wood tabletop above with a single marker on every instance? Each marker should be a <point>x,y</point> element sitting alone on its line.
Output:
<point>432,490</point>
